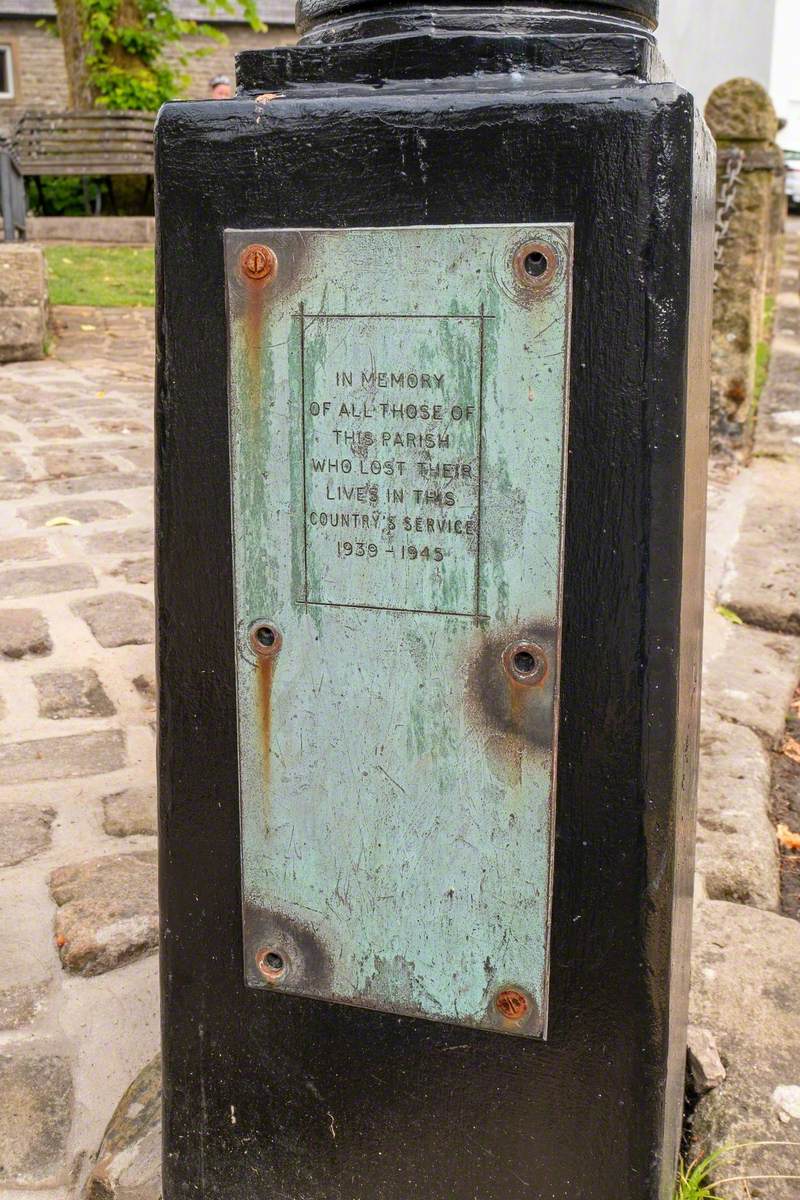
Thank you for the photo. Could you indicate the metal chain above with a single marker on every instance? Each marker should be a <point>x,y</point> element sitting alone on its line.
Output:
<point>726,207</point>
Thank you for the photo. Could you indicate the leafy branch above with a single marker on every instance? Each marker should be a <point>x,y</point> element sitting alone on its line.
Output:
<point>124,45</point>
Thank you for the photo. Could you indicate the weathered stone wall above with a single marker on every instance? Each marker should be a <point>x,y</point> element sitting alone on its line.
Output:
<point>742,118</point>
<point>39,76</point>
<point>41,80</point>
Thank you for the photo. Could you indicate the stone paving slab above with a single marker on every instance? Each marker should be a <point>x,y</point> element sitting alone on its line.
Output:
<point>746,989</point>
<point>737,851</point>
<point>762,580</point>
<point>108,911</point>
<point>779,419</point>
<point>751,679</point>
<point>76,729</point>
<point>36,1086</point>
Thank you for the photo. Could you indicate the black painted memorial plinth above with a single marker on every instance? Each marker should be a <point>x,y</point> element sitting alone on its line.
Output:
<point>440,115</point>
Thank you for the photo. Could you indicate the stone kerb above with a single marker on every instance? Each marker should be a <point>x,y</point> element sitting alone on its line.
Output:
<point>750,171</point>
<point>24,306</point>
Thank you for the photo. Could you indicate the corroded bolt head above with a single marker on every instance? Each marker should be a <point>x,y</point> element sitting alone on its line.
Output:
<point>511,1004</point>
<point>258,262</point>
<point>535,264</point>
<point>526,663</point>
<point>271,963</point>
<point>266,639</point>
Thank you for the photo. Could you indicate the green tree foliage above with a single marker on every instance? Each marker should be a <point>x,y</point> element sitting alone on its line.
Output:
<point>117,51</point>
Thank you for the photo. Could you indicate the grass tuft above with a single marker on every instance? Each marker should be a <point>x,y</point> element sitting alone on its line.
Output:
<point>101,276</point>
<point>694,1182</point>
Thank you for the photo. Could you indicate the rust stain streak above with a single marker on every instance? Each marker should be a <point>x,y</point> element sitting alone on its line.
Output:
<point>265,670</point>
<point>254,325</point>
<point>259,267</point>
<point>517,697</point>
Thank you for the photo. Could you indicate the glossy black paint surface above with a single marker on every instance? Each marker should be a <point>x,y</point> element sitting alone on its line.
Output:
<point>311,11</point>
<point>293,1099</point>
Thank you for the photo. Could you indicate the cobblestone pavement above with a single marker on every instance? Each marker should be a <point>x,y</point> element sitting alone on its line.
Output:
<point>78,984</point>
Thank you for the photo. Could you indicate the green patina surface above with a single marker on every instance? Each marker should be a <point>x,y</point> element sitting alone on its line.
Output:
<point>398,412</point>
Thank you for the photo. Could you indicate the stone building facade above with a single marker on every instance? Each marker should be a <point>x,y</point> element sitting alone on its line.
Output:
<point>32,73</point>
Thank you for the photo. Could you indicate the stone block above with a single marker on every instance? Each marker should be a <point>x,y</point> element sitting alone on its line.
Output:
<point>125,230</point>
<point>140,456</point>
<point>23,633</point>
<point>70,463</point>
<point>752,681</point>
<point>121,425</point>
<point>35,1116</point>
<point>32,581</point>
<point>746,991</point>
<point>741,116</point>
<point>15,491</point>
<point>24,831</point>
<point>55,432</point>
<point>705,1065</point>
<point>20,1000</point>
<point>23,302</point>
<point>72,694</point>
<point>146,687</point>
<point>741,110</point>
<point>120,541</point>
<point>108,911</point>
<point>11,465</point>
<point>83,511</point>
<point>118,618</point>
<point>127,1165</point>
<point>22,334</point>
<point>26,950</point>
<point>737,849</point>
<point>130,812</point>
<point>778,432</point>
<point>62,757</point>
<point>761,582</point>
<point>136,570</point>
<point>23,549</point>
<point>23,278</point>
<point>119,481</point>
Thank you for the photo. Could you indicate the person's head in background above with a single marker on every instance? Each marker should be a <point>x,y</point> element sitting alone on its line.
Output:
<point>220,88</point>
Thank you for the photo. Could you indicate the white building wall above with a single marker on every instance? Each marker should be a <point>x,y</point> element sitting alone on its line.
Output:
<point>706,42</point>
<point>785,82</point>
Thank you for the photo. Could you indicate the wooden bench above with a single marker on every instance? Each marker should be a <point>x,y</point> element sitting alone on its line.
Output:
<point>93,143</point>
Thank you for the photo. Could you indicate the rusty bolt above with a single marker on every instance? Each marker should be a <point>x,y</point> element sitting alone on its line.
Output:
<point>258,262</point>
<point>511,1004</point>
<point>265,639</point>
<point>271,963</point>
<point>535,264</point>
<point>526,663</point>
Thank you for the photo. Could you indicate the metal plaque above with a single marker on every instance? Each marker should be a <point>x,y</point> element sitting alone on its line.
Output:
<point>398,404</point>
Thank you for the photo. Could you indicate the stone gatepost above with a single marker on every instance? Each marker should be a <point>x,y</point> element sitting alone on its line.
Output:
<point>750,170</point>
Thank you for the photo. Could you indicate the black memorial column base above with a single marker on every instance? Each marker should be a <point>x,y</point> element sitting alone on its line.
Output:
<point>297,1099</point>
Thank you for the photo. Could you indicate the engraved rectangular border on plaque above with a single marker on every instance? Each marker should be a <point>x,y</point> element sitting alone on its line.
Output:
<point>398,415</point>
<point>389,592</point>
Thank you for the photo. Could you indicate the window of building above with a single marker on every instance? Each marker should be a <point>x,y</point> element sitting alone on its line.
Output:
<point>6,73</point>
